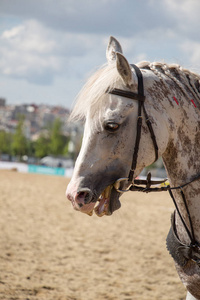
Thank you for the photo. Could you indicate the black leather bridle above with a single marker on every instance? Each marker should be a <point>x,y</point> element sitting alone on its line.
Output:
<point>140,97</point>
<point>179,251</point>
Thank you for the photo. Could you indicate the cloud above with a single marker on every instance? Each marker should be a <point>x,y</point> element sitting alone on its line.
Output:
<point>45,42</point>
<point>30,36</point>
<point>185,14</point>
<point>39,54</point>
<point>27,51</point>
<point>191,49</point>
<point>124,18</point>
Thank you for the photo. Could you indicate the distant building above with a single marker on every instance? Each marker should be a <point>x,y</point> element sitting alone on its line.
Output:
<point>2,101</point>
<point>37,120</point>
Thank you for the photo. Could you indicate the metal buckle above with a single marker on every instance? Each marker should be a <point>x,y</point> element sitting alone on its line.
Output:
<point>117,185</point>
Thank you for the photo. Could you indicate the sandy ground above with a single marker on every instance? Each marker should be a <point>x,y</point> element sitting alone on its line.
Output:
<point>49,251</point>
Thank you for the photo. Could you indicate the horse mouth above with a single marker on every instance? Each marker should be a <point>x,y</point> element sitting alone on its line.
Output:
<point>102,208</point>
<point>108,202</point>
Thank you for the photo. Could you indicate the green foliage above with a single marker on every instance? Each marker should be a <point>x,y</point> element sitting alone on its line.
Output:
<point>57,140</point>
<point>42,146</point>
<point>66,148</point>
<point>30,148</point>
<point>52,142</point>
<point>19,142</point>
<point>5,142</point>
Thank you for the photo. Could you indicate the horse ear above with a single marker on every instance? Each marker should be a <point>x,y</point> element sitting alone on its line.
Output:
<point>113,47</point>
<point>124,69</point>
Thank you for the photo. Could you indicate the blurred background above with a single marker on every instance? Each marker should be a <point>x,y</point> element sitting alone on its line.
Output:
<point>49,48</point>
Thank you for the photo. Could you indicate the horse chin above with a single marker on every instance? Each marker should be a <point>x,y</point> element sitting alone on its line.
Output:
<point>108,202</point>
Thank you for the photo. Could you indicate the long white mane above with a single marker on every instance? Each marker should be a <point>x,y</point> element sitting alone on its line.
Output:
<point>96,86</point>
<point>107,77</point>
<point>187,81</point>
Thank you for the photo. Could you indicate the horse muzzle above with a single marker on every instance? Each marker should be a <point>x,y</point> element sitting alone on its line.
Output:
<point>86,201</point>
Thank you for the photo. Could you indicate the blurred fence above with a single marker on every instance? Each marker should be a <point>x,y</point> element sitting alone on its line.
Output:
<point>26,168</point>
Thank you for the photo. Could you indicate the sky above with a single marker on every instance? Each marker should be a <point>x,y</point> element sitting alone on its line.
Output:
<point>49,48</point>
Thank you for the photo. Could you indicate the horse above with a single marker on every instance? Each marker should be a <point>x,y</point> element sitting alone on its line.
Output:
<point>117,144</point>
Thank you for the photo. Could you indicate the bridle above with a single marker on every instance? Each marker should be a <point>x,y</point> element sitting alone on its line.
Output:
<point>179,251</point>
<point>140,97</point>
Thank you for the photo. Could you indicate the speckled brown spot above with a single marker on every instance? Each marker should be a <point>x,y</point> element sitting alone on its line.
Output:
<point>190,275</point>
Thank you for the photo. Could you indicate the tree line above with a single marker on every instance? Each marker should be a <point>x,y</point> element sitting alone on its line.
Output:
<point>51,141</point>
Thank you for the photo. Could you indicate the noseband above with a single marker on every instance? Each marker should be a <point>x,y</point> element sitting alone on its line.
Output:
<point>140,97</point>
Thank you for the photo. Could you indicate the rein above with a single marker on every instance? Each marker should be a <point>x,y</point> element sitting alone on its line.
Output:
<point>194,245</point>
<point>179,251</point>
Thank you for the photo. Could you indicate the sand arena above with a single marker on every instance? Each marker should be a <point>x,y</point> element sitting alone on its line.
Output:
<point>49,251</point>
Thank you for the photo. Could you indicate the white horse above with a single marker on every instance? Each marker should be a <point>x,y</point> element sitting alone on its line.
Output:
<point>112,134</point>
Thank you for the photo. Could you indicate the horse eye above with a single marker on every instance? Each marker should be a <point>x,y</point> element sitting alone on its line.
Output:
<point>111,127</point>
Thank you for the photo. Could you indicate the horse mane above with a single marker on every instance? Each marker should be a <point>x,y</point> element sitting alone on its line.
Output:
<point>107,77</point>
<point>187,81</point>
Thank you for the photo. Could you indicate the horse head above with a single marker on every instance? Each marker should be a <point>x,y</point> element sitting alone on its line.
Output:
<point>109,136</point>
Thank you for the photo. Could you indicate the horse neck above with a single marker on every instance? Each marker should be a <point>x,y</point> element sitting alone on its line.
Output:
<point>182,163</point>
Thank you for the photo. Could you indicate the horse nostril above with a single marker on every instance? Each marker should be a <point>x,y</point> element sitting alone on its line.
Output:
<point>81,194</point>
<point>88,198</point>
<point>85,195</point>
